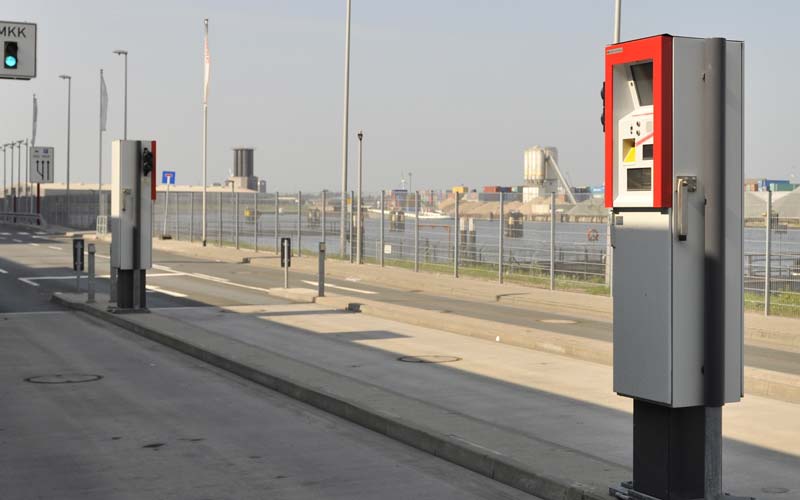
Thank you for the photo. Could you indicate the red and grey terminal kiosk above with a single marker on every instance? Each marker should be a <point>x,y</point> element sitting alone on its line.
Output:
<point>673,117</point>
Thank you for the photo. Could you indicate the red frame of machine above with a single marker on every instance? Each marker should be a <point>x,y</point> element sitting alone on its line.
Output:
<point>659,50</point>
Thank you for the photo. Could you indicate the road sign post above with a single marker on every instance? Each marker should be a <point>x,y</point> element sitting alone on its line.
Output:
<point>168,178</point>
<point>286,259</point>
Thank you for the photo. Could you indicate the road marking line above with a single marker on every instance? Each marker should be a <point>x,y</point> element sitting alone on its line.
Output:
<point>54,248</point>
<point>41,232</point>
<point>22,233</point>
<point>34,244</point>
<point>165,292</point>
<point>16,240</point>
<point>209,277</point>
<point>347,289</point>
<point>5,234</point>
<point>102,256</point>
<point>27,281</point>
<point>3,271</point>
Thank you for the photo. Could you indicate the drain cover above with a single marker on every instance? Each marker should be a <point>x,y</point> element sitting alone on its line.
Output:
<point>64,378</point>
<point>428,359</point>
<point>558,321</point>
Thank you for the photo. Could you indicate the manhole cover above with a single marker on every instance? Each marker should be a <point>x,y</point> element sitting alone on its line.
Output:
<point>64,378</point>
<point>558,321</point>
<point>428,359</point>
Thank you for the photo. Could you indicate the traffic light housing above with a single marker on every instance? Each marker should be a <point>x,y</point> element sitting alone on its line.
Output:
<point>10,58</point>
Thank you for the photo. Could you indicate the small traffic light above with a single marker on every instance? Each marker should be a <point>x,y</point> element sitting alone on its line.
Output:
<point>147,161</point>
<point>10,59</point>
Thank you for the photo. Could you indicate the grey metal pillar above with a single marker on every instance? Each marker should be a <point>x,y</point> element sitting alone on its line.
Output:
<point>321,270</point>
<point>219,220</point>
<point>383,216</point>
<point>552,241</point>
<point>350,224</point>
<point>177,215</point>
<point>255,221</point>
<point>768,254</point>
<point>236,218</point>
<point>457,234</point>
<point>299,222</point>
<point>500,250</point>
<point>416,232</point>
<point>277,222</point>
<point>322,217</point>
<point>191,217</point>
<point>288,258</point>
<point>90,284</point>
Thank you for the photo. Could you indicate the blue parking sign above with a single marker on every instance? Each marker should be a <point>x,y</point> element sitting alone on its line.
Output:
<point>168,177</point>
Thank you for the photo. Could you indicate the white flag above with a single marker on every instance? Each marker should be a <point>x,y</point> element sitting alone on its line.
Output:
<point>103,103</point>
<point>35,119</point>
<point>207,59</point>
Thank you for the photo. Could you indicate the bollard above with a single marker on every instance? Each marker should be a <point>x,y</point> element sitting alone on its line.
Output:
<point>90,285</point>
<point>321,279</point>
<point>285,258</point>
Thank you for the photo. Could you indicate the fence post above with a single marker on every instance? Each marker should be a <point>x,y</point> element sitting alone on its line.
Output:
<point>416,231</point>
<point>500,242</point>
<point>350,225</point>
<point>299,222</point>
<point>552,241</point>
<point>255,221</point>
<point>277,212</point>
<point>236,218</point>
<point>322,219</point>
<point>768,254</point>
<point>457,234</point>
<point>219,220</point>
<point>191,217</point>
<point>381,237</point>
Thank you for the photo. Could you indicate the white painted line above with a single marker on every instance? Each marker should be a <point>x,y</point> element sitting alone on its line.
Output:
<point>208,277</point>
<point>165,292</point>
<point>102,256</point>
<point>27,281</point>
<point>54,248</point>
<point>22,233</point>
<point>347,289</point>
<point>34,244</point>
<point>40,232</point>
<point>16,240</point>
<point>3,271</point>
<point>5,234</point>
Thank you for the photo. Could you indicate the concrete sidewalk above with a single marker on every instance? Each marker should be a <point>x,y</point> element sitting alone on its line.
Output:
<point>545,424</point>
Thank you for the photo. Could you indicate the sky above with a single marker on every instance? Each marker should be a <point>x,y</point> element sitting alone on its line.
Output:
<point>450,90</point>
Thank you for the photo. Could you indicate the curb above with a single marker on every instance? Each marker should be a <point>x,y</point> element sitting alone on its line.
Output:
<point>458,451</point>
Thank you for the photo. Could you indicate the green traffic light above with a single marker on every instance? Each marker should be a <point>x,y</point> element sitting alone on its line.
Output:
<point>11,62</point>
<point>10,59</point>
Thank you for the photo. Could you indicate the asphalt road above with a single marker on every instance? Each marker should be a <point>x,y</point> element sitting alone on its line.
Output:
<point>138,420</point>
<point>180,280</point>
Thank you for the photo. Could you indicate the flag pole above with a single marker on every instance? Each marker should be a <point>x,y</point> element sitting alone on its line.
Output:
<point>100,210</point>
<point>207,63</point>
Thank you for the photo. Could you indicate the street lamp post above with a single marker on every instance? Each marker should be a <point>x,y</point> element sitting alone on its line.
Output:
<point>27,169</point>
<point>125,91</point>
<point>69,122</point>
<point>359,222</point>
<point>344,132</point>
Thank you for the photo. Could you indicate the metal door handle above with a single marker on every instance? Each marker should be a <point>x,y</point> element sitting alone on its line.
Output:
<point>686,185</point>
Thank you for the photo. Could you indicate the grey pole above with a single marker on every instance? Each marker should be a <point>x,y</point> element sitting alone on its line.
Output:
<point>350,225</point>
<point>299,221</point>
<point>69,122</point>
<point>166,212</point>
<point>324,204</point>
<point>90,284</point>
<point>286,263</point>
<point>205,127</point>
<point>359,222</point>
<point>191,217</point>
<point>383,216</point>
<point>125,109</point>
<point>552,241</point>
<point>177,215</point>
<point>768,253</point>
<point>27,168</point>
<point>500,250</point>
<point>255,221</point>
<point>457,234</point>
<point>11,186</point>
<point>219,220</point>
<point>345,130</point>
<point>617,15</point>
<point>321,270</point>
<point>236,218</point>
<point>100,210</point>
<point>416,231</point>
<point>277,214</point>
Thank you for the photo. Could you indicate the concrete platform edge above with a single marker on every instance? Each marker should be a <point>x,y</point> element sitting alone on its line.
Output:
<point>459,452</point>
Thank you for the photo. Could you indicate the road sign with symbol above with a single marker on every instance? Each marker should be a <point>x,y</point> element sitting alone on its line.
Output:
<point>168,177</point>
<point>42,164</point>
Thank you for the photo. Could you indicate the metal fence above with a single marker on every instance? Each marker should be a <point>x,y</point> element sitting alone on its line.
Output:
<point>549,251</point>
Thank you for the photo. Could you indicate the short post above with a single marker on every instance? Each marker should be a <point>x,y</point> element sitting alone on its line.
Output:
<point>299,222</point>
<point>321,278</point>
<point>322,217</point>
<point>500,242</point>
<point>416,232</point>
<point>768,253</point>
<point>90,285</point>
<point>255,221</point>
<point>285,257</point>
<point>552,241</point>
<point>383,216</point>
<point>236,218</point>
<point>219,220</point>
<point>191,217</point>
<point>77,261</point>
<point>166,212</point>
<point>277,222</point>
<point>457,233</point>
